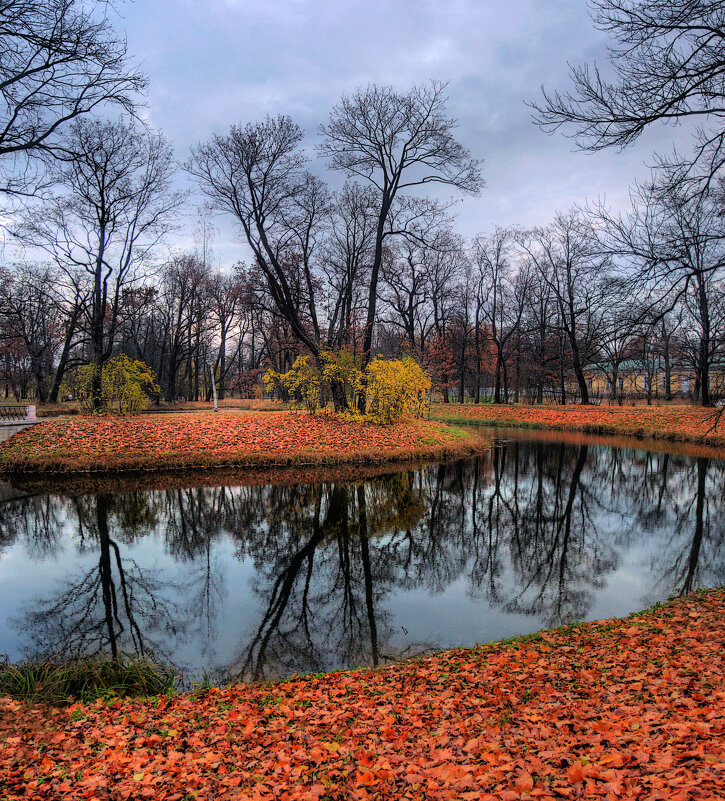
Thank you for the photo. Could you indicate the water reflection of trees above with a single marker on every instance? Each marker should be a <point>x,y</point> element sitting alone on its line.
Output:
<point>323,568</point>
<point>532,528</point>
<point>115,606</point>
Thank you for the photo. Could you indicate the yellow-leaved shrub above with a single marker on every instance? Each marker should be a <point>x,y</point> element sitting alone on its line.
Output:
<point>301,381</point>
<point>125,385</point>
<point>342,369</point>
<point>396,388</point>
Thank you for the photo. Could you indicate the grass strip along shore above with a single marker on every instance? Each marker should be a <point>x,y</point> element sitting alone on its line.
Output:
<point>668,423</point>
<point>206,439</point>
<point>615,709</point>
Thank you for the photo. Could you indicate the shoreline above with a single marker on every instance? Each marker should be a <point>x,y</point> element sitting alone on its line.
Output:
<point>322,441</point>
<point>657,424</point>
<point>630,704</point>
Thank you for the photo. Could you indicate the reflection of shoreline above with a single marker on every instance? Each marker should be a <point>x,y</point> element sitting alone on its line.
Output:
<point>626,443</point>
<point>209,478</point>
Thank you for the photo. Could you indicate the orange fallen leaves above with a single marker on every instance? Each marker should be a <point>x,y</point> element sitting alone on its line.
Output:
<point>674,423</point>
<point>596,711</point>
<point>87,443</point>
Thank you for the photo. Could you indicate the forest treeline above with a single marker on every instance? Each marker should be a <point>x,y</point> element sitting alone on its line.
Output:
<point>360,257</point>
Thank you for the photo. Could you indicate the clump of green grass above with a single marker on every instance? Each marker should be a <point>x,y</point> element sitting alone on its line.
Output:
<point>57,683</point>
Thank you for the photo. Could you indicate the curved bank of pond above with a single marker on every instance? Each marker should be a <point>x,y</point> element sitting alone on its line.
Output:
<point>239,575</point>
<point>243,439</point>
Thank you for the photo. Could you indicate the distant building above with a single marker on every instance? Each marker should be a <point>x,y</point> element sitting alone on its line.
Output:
<point>636,379</point>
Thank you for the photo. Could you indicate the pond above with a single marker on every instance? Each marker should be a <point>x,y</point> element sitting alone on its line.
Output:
<point>262,580</point>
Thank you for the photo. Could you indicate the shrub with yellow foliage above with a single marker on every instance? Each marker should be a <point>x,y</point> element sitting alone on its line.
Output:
<point>125,385</point>
<point>301,381</point>
<point>396,388</point>
<point>341,372</point>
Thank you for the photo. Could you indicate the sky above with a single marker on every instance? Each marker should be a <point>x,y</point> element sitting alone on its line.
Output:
<point>212,63</point>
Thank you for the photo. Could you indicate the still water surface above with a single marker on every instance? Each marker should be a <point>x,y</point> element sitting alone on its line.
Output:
<point>263,581</point>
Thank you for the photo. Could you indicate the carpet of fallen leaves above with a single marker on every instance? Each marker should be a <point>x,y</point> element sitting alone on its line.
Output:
<point>674,423</point>
<point>158,442</point>
<point>617,709</point>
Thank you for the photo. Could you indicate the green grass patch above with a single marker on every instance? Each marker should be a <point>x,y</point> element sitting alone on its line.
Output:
<point>58,683</point>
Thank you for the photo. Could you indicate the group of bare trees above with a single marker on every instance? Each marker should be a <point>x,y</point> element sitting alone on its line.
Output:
<point>386,143</point>
<point>376,266</point>
<point>514,315</point>
<point>666,63</point>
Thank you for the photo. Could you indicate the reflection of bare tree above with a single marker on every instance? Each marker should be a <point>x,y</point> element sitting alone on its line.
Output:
<point>323,587</point>
<point>557,550</point>
<point>36,519</point>
<point>538,509</point>
<point>109,609</point>
<point>693,555</point>
<point>692,562</point>
<point>298,566</point>
<point>530,527</point>
<point>367,573</point>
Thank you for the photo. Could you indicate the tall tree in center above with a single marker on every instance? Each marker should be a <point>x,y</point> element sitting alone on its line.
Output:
<point>395,141</point>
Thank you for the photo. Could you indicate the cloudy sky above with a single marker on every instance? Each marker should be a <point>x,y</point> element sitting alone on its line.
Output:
<point>216,62</point>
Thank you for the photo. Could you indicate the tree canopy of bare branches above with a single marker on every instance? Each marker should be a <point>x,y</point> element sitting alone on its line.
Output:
<point>111,205</point>
<point>59,59</point>
<point>396,141</point>
<point>668,62</point>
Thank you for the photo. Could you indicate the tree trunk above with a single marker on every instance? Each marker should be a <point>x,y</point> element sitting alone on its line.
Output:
<point>497,377</point>
<point>373,295</point>
<point>703,372</point>
<point>339,399</point>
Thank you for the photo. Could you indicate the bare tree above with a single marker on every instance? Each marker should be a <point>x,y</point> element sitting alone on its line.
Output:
<point>256,174</point>
<point>506,289</point>
<point>111,206</point>
<point>226,298</point>
<point>59,59</point>
<point>395,141</point>
<point>542,336</point>
<point>669,66</point>
<point>566,256</point>
<point>622,320</point>
<point>29,315</point>
<point>346,260</point>
<point>406,292</point>
<point>674,241</point>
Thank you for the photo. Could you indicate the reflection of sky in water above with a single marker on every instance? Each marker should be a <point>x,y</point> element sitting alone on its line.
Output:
<point>275,579</point>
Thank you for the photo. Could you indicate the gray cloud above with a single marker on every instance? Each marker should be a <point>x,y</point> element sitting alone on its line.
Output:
<point>222,61</point>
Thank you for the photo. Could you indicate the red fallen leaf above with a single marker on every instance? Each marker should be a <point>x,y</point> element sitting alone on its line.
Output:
<point>575,773</point>
<point>367,778</point>
<point>614,759</point>
<point>317,755</point>
<point>525,782</point>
